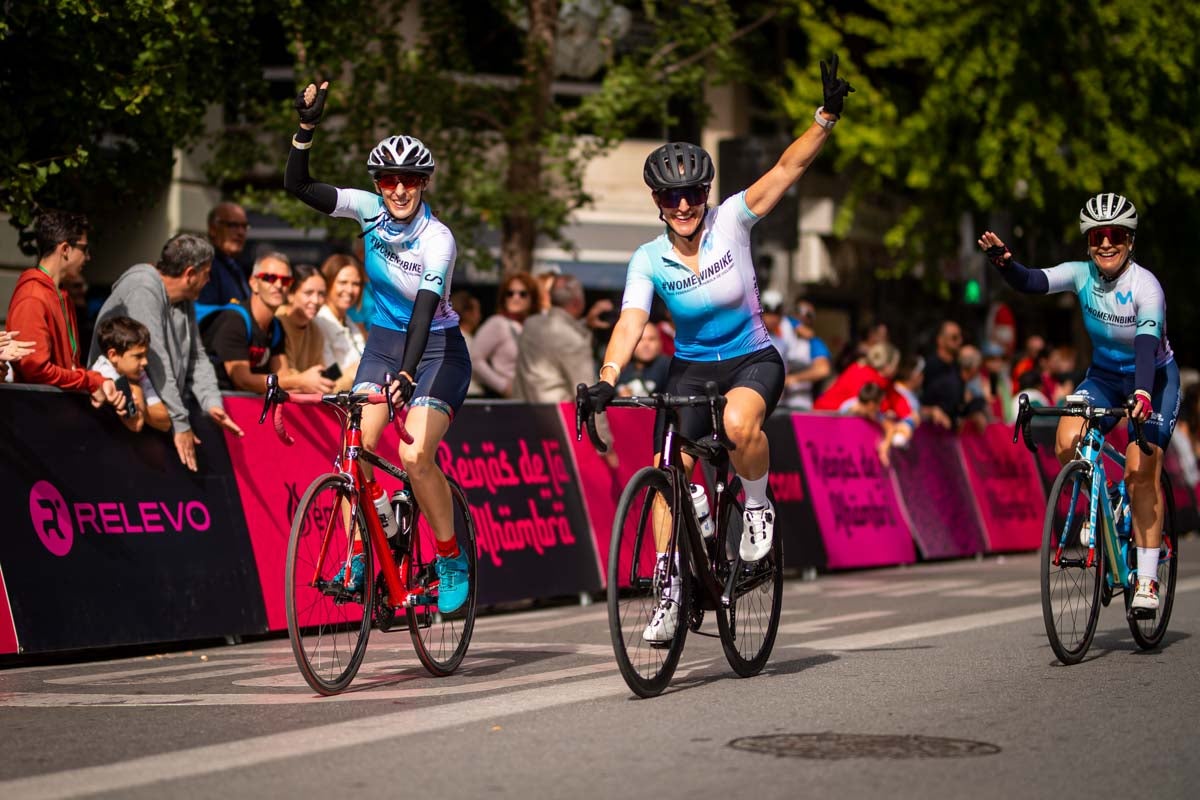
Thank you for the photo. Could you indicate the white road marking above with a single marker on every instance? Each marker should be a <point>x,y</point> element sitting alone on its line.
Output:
<point>1017,588</point>
<point>819,625</point>
<point>547,624</point>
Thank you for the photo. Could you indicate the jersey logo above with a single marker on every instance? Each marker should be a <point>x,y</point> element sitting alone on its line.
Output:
<point>1125,297</point>
<point>1147,323</point>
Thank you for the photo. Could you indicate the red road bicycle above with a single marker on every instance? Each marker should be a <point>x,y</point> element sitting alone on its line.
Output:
<point>328,624</point>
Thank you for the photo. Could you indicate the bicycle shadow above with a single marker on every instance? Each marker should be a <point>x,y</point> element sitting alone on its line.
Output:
<point>716,669</point>
<point>1118,641</point>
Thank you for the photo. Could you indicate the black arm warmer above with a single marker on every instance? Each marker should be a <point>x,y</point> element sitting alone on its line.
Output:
<point>418,330</point>
<point>1024,279</point>
<point>320,196</point>
<point>1145,347</point>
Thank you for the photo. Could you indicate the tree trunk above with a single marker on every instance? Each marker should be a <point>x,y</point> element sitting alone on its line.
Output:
<point>523,179</point>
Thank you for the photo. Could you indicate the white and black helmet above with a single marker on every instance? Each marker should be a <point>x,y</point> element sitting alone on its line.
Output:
<point>400,154</point>
<point>1107,208</point>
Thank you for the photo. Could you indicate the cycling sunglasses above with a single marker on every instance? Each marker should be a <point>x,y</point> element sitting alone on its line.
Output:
<point>1116,235</point>
<point>671,198</point>
<point>284,281</point>
<point>410,180</point>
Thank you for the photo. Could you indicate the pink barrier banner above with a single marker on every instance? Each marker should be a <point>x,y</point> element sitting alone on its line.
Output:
<point>936,495</point>
<point>856,505</point>
<point>8,630</point>
<point>1007,488</point>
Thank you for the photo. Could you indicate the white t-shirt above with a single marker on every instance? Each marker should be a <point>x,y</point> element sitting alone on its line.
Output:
<point>106,368</point>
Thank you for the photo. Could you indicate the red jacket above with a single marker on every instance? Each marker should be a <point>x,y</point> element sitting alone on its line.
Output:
<point>37,311</point>
<point>849,382</point>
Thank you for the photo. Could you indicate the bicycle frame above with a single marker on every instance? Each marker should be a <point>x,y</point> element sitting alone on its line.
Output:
<point>1092,449</point>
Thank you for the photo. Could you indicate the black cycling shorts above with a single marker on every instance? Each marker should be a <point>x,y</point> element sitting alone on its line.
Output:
<point>762,371</point>
<point>443,374</point>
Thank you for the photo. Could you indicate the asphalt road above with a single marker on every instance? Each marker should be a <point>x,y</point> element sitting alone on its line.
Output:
<point>929,681</point>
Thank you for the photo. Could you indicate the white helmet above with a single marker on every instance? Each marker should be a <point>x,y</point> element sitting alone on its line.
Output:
<point>772,301</point>
<point>1107,209</point>
<point>400,154</point>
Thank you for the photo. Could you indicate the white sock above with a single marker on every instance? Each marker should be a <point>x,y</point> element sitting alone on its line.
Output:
<point>1147,563</point>
<point>756,490</point>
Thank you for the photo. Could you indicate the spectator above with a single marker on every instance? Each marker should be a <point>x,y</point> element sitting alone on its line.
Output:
<point>942,401</point>
<point>345,338</point>
<point>808,360</point>
<point>1035,346</point>
<point>76,288</point>
<point>41,310</point>
<point>998,381</point>
<point>545,275</point>
<point>1184,441</point>
<point>866,404</point>
<point>647,372</point>
<point>910,377</point>
<point>878,367</point>
<point>470,314</point>
<point>125,343</point>
<point>246,347</point>
<point>227,230</point>
<point>875,333</point>
<point>970,364</point>
<point>303,342</point>
<point>1030,383</point>
<point>162,297</point>
<point>1061,373</point>
<point>555,348</point>
<point>495,356</point>
<point>779,331</point>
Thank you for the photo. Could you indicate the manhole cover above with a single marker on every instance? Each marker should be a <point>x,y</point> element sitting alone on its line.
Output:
<point>836,746</point>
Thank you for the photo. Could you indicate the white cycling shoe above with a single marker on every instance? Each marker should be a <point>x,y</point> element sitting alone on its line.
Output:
<point>1145,599</point>
<point>758,531</point>
<point>662,625</point>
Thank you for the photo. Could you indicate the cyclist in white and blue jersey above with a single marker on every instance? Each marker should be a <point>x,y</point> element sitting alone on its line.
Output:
<point>702,269</point>
<point>414,340</point>
<point>1125,314</point>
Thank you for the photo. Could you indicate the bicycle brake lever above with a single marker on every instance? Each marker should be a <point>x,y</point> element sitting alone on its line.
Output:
<point>269,397</point>
<point>580,401</point>
<point>387,392</point>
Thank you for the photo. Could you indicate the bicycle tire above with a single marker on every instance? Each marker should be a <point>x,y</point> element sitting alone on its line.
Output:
<point>748,639</point>
<point>441,640</point>
<point>328,628</point>
<point>1148,633</point>
<point>1070,588</point>
<point>634,589</point>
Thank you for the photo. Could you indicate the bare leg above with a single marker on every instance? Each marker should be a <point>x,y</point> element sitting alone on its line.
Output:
<point>427,426</point>
<point>1067,438</point>
<point>745,412</point>
<point>1143,475</point>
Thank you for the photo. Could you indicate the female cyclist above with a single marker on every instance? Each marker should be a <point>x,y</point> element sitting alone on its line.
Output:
<point>702,269</point>
<point>414,333</point>
<point>1124,312</point>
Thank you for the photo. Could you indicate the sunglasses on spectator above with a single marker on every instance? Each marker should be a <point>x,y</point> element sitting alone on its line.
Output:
<point>516,293</point>
<point>408,180</point>
<point>1115,235</point>
<point>284,281</point>
<point>671,198</point>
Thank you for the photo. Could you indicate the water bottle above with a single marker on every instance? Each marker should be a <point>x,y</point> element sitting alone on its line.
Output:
<point>384,509</point>
<point>700,503</point>
<point>402,509</point>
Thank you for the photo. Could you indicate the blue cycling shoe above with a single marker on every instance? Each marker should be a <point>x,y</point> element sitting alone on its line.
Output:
<point>453,582</point>
<point>357,568</point>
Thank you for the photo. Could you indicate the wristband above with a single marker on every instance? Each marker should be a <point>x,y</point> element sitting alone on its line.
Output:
<point>301,145</point>
<point>827,124</point>
<point>606,365</point>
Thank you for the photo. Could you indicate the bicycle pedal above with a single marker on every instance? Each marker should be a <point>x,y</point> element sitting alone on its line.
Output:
<point>1142,614</point>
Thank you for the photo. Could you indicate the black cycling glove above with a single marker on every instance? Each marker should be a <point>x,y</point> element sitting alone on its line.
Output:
<point>311,115</point>
<point>401,390</point>
<point>999,255</point>
<point>600,394</point>
<point>835,88</point>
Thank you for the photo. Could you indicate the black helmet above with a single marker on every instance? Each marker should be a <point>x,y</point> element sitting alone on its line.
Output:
<point>676,165</point>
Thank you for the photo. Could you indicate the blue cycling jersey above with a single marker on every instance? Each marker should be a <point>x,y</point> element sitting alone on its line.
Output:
<point>1114,313</point>
<point>402,259</point>
<point>716,312</point>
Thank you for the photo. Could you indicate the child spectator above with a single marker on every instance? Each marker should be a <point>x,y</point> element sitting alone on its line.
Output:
<point>125,346</point>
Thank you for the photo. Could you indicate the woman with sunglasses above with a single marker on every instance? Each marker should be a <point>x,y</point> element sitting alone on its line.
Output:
<point>415,340</point>
<point>702,269</point>
<point>1124,312</point>
<point>495,353</point>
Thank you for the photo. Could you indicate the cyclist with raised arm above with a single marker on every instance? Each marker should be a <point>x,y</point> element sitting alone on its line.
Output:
<point>414,337</point>
<point>1124,311</point>
<point>702,269</point>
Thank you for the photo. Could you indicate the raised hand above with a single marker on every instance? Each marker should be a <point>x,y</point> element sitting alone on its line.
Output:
<point>995,249</point>
<point>835,88</point>
<point>310,104</point>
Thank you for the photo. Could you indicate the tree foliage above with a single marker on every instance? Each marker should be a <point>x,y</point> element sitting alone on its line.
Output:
<point>96,94</point>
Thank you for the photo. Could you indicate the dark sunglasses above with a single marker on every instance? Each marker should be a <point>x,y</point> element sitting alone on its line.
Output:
<point>516,293</point>
<point>84,246</point>
<point>1116,236</point>
<point>284,281</point>
<point>671,198</point>
<point>391,181</point>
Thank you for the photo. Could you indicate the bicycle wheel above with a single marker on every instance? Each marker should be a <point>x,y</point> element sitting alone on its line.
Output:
<point>748,626</point>
<point>1071,570</point>
<point>441,640</point>
<point>1148,633</point>
<point>636,585</point>
<point>328,625</point>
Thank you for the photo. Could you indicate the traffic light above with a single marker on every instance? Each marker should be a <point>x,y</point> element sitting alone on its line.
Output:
<point>972,292</point>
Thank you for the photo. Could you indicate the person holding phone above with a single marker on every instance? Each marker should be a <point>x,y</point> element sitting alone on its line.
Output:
<point>125,346</point>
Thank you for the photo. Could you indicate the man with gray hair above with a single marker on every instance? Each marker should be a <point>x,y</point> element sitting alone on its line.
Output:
<point>162,297</point>
<point>554,351</point>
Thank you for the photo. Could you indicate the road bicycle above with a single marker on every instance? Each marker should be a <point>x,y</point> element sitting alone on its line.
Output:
<point>656,505</point>
<point>329,623</point>
<point>1088,552</point>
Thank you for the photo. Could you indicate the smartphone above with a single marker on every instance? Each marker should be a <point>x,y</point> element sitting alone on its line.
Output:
<point>123,387</point>
<point>332,372</point>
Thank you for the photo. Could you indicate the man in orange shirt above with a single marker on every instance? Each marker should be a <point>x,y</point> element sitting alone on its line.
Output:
<point>41,310</point>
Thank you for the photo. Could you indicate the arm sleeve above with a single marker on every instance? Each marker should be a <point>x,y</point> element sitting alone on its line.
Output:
<point>418,330</point>
<point>1145,348</point>
<point>1024,279</point>
<point>316,195</point>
